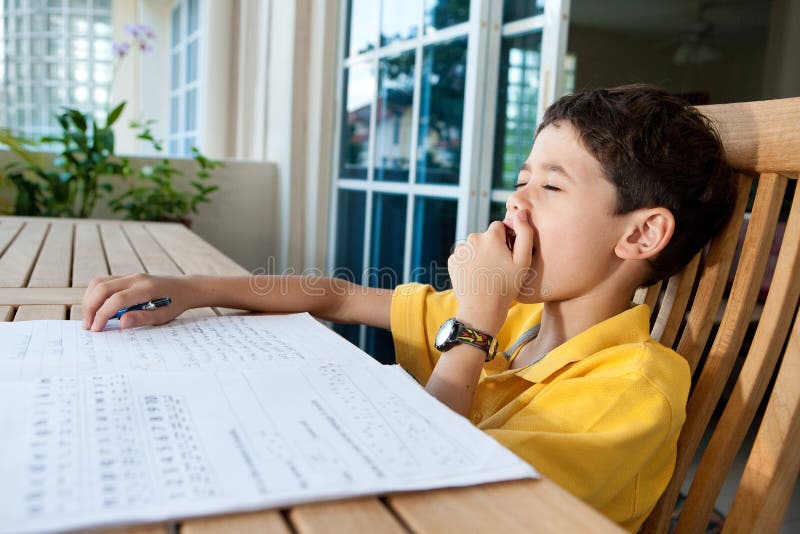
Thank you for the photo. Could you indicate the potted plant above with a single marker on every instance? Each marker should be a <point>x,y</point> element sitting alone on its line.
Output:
<point>152,192</point>
<point>70,186</point>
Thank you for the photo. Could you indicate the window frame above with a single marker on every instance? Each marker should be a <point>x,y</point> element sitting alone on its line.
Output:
<point>484,32</point>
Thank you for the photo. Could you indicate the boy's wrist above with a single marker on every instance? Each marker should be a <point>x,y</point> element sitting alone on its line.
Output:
<point>486,323</point>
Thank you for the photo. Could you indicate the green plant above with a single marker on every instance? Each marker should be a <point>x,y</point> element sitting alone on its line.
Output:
<point>152,193</point>
<point>71,186</point>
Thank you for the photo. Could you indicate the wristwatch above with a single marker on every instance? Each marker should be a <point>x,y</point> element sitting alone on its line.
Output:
<point>452,332</point>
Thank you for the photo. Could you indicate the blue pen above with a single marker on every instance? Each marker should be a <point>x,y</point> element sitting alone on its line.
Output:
<point>149,305</point>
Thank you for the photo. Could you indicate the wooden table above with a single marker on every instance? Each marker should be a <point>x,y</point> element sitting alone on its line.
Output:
<point>45,264</point>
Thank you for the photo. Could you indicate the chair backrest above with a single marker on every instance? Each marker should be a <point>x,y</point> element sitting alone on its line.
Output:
<point>762,142</point>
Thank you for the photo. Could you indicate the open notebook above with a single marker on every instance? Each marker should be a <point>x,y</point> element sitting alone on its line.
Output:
<point>214,415</point>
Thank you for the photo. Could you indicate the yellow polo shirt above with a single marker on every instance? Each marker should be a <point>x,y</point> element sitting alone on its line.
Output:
<point>599,414</point>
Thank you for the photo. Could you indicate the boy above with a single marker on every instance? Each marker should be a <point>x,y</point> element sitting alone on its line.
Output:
<point>622,187</point>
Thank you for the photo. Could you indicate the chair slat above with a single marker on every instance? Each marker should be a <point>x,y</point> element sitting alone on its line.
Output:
<point>751,383</point>
<point>759,136</point>
<point>357,515</point>
<point>673,305</point>
<point>712,281</point>
<point>772,469</point>
<point>727,342</point>
<point>651,298</point>
<point>17,261</point>
<point>89,259</point>
<point>55,260</point>
<point>122,259</point>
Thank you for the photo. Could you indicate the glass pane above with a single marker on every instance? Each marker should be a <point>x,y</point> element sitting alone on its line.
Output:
<point>497,211</point>
<point>176,25</point>
<point>380,345</point>
<point>359,83</point>
<point>442,112</point>
<point>191,62</point>
<point>174,114</point>
<point>517,96</point>
<point>362,33</point>
<point>443,13</point>
<point>348,331</point>
<point>175,64</point>
<point>349,251</point>
<point>388,240</point>
<point>188,143</point>
<point>399,20</point>
<point>434,235</point>
<point>190,111</point>
<point>393,128</point>
<point>520,9</point>
<point>192,17</point>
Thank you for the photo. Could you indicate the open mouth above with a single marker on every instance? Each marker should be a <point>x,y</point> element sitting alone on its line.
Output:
<point>511,238</point>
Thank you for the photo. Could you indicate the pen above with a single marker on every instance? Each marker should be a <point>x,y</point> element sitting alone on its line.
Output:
<point>149,305</point>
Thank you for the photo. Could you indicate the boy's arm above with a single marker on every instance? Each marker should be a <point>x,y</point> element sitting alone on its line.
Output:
<point>332,299</point>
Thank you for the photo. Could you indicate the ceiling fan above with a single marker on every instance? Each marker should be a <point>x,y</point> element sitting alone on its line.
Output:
<point>696,46</point>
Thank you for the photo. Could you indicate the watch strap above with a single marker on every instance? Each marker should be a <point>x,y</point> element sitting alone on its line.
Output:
<point>478,339</point>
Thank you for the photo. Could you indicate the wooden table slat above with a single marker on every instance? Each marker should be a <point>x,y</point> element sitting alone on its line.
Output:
<point>155,259</point>
<point>516,506</point>
<point>6,313</point>
<point>270,521</point>
<point>196,313</point>
<point>191,253</point>
<point>55,260</point>
<point>75,313</point>
<point>121,257</point>
<point>9,229</point>
<point>357,515</point>
<point>17,296</point>
<point>48,311</point>
<point>16,263</point>
<point>89,260</point>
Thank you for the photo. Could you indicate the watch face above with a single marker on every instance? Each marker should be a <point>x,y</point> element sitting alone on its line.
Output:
<point>444,334</point>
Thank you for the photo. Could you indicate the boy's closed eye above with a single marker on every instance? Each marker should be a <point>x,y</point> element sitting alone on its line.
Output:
<point>548,187</point>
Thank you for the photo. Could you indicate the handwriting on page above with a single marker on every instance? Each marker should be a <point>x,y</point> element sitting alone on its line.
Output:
<point>98,449</point>
<point>63,348</point>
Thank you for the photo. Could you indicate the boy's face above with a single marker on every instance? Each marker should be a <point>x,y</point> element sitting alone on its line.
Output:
<point>570,203</point>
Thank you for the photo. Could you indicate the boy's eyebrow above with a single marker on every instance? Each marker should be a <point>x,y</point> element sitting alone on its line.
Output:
<point>549,166</point>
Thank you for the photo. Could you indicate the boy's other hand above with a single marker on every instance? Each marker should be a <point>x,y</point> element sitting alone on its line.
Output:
<point>105,296</point>
<point>487,276</point>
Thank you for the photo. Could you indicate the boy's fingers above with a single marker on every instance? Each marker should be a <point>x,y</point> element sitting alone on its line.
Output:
<point>98,291</point>
<point>523,243</point>
<point>141,318</point>
<point>114,303</point>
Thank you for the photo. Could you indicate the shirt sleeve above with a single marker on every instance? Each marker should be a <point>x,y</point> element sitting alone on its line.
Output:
<point>593,435</point>
<point>417,313</point>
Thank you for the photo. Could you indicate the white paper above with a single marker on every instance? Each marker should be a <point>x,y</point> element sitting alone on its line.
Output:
<point>96,449</point>
<point>63,348</point>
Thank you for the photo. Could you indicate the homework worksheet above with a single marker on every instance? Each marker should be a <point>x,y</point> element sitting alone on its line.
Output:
<point>63,348</point>
<point>296,416</point>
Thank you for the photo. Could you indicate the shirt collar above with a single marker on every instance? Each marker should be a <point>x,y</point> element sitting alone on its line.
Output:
<point>630,326</point>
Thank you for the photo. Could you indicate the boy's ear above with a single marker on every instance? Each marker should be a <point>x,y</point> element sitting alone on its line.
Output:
<point>648,232</point>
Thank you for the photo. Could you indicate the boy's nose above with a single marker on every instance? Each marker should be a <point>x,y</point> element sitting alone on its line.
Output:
<point>515,203</point>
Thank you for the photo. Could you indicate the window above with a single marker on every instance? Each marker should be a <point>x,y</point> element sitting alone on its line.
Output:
<point>55,53</point>
<point>412,138</point>
<point>184,83</point>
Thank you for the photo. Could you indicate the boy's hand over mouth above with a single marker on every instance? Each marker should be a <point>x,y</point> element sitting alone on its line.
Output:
<point>487,276</point>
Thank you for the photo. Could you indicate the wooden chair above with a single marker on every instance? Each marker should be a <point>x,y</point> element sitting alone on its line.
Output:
<point>762,142</point>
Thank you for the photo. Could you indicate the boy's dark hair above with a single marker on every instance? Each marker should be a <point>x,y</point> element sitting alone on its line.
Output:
<point>658,151</point>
